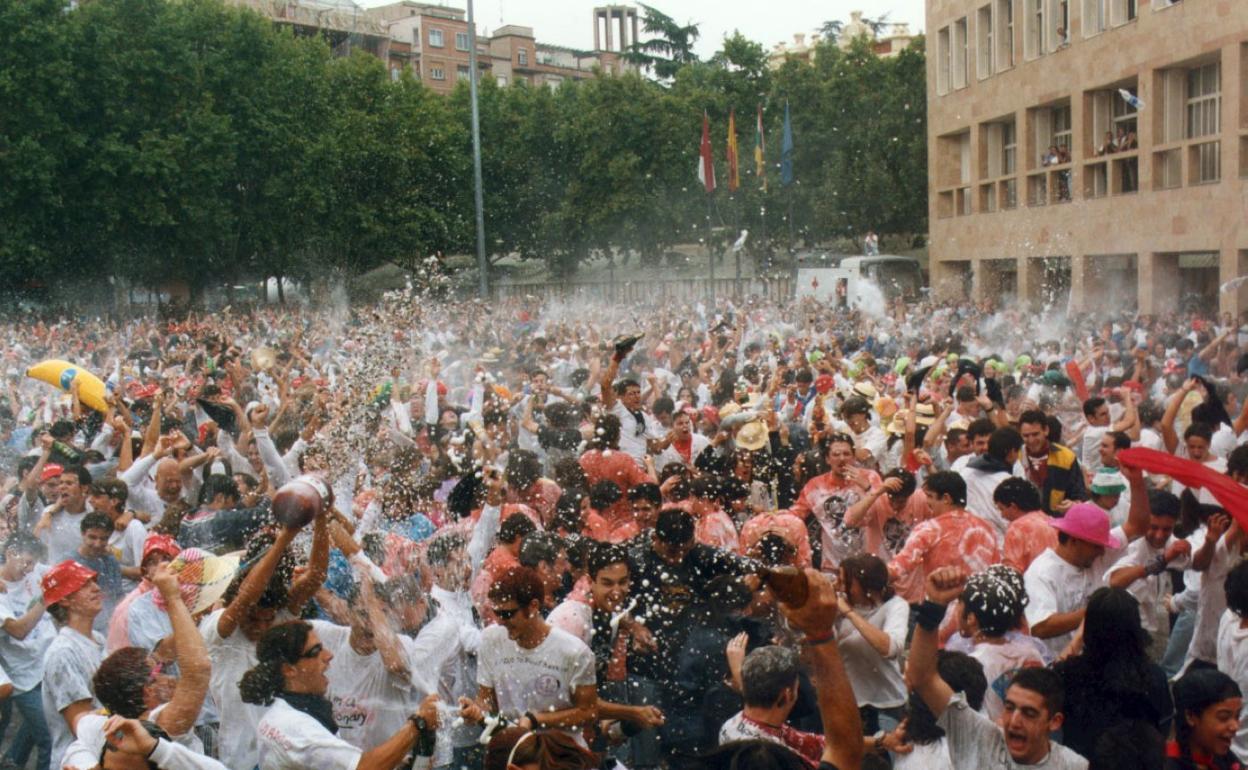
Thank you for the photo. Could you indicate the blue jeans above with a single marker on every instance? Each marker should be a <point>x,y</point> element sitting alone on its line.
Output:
<point>34,733</point>
<point>1180,640</point>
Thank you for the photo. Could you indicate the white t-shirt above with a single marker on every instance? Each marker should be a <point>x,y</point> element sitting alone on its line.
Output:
<point>925,756</point>
<point>1090,456</point>
<point>975,741</point>
<point>980,486</point>
<point>1055,586</point>
<point>876,680</point>
<point>84,752</point>
<point>68,666</point>
<point>1000,662</point>
<point>147,624</point>
<point>64,536</point>
<point>232,657</point>
<point>1150,591</point>
<point>632,436</point>
<point>670,455</point>
<point>1210,605</point>
<point>370,703</point>
<point>127,546</point>
<point>291,740</point>
<point>541,679</point>
<point>24,657</point>
<point>1233,661</point>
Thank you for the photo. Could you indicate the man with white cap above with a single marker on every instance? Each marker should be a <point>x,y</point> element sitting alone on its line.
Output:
<point>1061,579</point>
<point>73,600</point>
<point>1109,490</point>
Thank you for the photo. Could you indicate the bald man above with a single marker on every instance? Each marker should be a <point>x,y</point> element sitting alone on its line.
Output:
<point>153,497</point>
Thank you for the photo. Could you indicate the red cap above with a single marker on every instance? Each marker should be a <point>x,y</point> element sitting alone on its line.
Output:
<point>63,580</point>
<point>710,414</point>
<point>162,543</point>
<point>824,383</point>
<point>51,471</point>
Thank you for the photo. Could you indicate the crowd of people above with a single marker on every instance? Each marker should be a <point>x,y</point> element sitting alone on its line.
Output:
<point>716,534</point>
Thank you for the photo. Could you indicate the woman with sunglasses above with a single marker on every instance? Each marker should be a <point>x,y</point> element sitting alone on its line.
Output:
<point>298,729</point>
<point>135,684</point>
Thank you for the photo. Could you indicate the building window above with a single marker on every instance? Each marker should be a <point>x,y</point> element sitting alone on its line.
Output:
<point>1033,29</point>
<point>435,38</point>
<point>961,57</point>
<point>1061,130</point>
<point>1204,118</point>
<point>502,80</point>
<point>1051,133</point>
<point>1005,34</point>
<point>1009,148</point>
<point>461,41</point>
<point>522,56</point>
<point>437,73</point>
<point>461,72</point>
<point>1093,17</point>
<point>395,73</point>
<point>943,58</point>
<point>1204,100</point>
<point>1059,24</point>
<point>984,49</point>
<point>1122,11</point>
<point>1123,118</point>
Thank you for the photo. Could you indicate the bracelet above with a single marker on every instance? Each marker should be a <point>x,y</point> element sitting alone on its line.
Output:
<point>155,746</point>
<point>813,640</point>
<point>1156,566</point>
<point>533,723</point>
<point>929,615</point>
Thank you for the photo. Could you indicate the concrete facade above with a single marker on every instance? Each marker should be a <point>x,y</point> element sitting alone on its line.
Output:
<point>1028,195</point>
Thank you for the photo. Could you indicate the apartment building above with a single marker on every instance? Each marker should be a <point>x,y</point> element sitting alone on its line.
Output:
<point>1089,153</point>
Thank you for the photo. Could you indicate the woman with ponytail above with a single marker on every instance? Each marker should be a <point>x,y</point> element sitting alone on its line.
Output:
<point>298,729</point>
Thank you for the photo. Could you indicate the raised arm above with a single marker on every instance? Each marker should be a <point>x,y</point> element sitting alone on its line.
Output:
<point>1168,435</point>
<point>254,584</point>
<point>305,586</point>
<point>943,586</point>
<point>194,669</point>
<point>842,725</point>
<point>607,383</point>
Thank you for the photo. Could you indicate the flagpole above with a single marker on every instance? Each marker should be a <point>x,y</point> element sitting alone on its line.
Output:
<point>792,234</point>
<point>709,250</point>
<point>736,228</point>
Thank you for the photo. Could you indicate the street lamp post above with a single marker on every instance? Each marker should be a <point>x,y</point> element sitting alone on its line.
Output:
<point>483,265</point>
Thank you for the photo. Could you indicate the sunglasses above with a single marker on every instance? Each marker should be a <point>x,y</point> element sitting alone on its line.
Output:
<point>156,668</point>
<point>312,652</point>
<point>505,614</point>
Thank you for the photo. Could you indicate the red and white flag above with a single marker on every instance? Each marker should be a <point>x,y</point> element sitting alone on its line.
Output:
<point>706,163</point>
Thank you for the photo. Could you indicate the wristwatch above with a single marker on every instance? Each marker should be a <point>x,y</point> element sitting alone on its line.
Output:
<point>877,742</point>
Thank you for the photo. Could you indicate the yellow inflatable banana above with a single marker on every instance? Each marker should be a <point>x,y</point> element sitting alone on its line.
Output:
<point>59,374</point>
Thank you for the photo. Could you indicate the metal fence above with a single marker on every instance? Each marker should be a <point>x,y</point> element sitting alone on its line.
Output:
<point>646,291</point>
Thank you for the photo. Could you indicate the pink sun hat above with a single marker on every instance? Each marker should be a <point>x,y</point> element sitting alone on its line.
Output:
<point>1087,522</point>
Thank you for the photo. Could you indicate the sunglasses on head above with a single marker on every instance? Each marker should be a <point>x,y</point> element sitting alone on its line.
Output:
<point>502,614</point>
<point>312,652</point>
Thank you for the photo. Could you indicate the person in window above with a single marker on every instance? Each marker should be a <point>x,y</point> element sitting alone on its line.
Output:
<point>1108,146</point>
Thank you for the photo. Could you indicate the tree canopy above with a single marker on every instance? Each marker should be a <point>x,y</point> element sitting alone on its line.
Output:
<point>150,140</point>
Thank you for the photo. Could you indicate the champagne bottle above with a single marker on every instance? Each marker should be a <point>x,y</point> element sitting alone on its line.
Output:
<point>788,584</point>
<point>300,500</point>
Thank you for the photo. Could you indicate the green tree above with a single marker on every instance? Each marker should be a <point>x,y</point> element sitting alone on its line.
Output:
<point>670,48</point>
